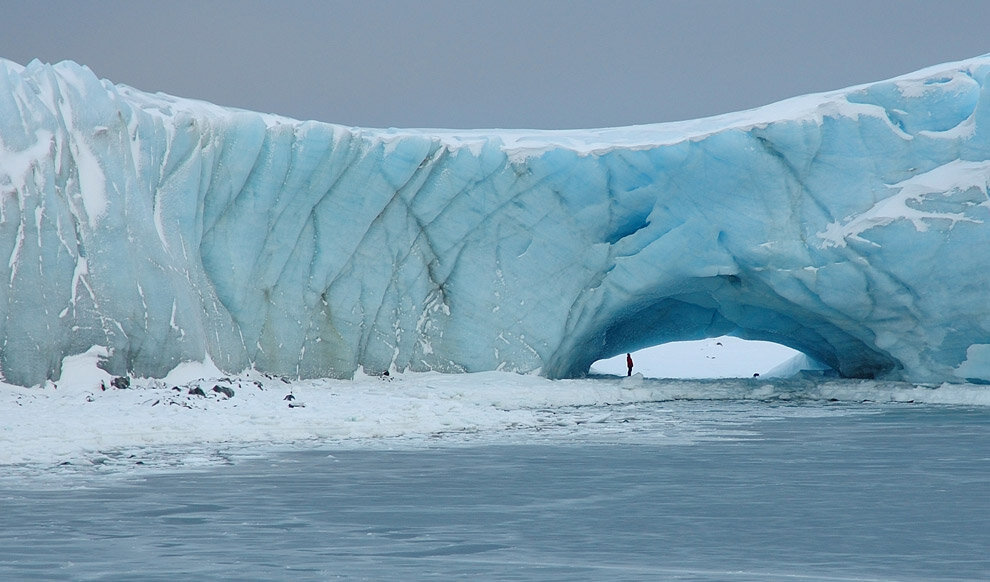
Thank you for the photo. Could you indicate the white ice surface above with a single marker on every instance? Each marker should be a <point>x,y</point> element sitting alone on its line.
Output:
<point>75,420</point>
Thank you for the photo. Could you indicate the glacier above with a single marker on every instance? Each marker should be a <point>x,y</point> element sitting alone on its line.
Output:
<point>850,225</point>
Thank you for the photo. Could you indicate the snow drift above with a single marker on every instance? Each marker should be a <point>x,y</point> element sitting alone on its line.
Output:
<point>849,225</point>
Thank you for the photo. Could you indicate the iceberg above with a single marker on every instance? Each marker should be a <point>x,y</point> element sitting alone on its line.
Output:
<point>850,225</point>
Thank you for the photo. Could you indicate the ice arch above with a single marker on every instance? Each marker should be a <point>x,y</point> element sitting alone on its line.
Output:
<point>849,225</point>
<point>692,318</point>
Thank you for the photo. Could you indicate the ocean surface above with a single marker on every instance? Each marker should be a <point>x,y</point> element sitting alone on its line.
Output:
<point>682,490</point>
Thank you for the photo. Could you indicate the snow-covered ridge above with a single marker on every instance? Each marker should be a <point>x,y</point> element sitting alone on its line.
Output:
<point>522,143</point>
<point>845,224</point>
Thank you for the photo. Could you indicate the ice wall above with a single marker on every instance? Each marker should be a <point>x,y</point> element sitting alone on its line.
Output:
<point>850,225</point>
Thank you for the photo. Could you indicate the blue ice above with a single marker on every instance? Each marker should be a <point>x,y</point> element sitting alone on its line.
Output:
<point>849,225</point>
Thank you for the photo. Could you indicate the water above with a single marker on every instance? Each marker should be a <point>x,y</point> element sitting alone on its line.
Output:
<point>665,491</point>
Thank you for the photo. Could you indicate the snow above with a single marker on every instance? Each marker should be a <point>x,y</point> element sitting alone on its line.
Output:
<point>92,184</point>
<point>83,417</point>
<point>846,225</point>
<point>952,178</point>
<point>82,371</point>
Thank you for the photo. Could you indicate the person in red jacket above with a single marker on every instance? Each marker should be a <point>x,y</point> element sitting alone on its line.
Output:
<point>629,364</point>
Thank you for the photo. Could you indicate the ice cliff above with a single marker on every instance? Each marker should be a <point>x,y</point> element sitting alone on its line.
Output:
<point>850,225</point>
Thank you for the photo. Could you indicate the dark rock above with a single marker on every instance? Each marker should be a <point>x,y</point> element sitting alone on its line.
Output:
<point>121,382</point>
<point>289,397</point>
<point>197,391</point>
<point>225,390</point>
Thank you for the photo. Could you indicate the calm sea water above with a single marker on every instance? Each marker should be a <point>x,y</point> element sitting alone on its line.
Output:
<point>672,491</point>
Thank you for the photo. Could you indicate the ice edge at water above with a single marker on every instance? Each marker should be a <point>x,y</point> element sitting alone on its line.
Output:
<point>98,424</point>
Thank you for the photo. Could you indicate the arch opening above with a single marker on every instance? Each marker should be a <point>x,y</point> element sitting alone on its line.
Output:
<point>718,357</point>
<point>717,307</point>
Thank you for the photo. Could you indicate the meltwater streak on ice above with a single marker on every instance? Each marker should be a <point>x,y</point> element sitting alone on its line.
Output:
<point>848,225</point>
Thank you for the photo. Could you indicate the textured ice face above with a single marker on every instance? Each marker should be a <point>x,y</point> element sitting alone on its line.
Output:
<point>850,225</point>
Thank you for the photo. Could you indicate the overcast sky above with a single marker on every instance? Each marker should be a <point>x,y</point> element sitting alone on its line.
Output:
<point>498,63</point>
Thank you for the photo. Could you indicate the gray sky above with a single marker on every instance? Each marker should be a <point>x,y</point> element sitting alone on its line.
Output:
<point>504,63</point>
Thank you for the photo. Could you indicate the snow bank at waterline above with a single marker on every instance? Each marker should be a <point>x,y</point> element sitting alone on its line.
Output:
<point>79,417</point>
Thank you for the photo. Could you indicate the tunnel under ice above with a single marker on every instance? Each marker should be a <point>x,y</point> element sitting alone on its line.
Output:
<point>720,357</point>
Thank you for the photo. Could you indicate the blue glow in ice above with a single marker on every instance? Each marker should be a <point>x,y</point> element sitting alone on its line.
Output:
<point>849,225</point>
